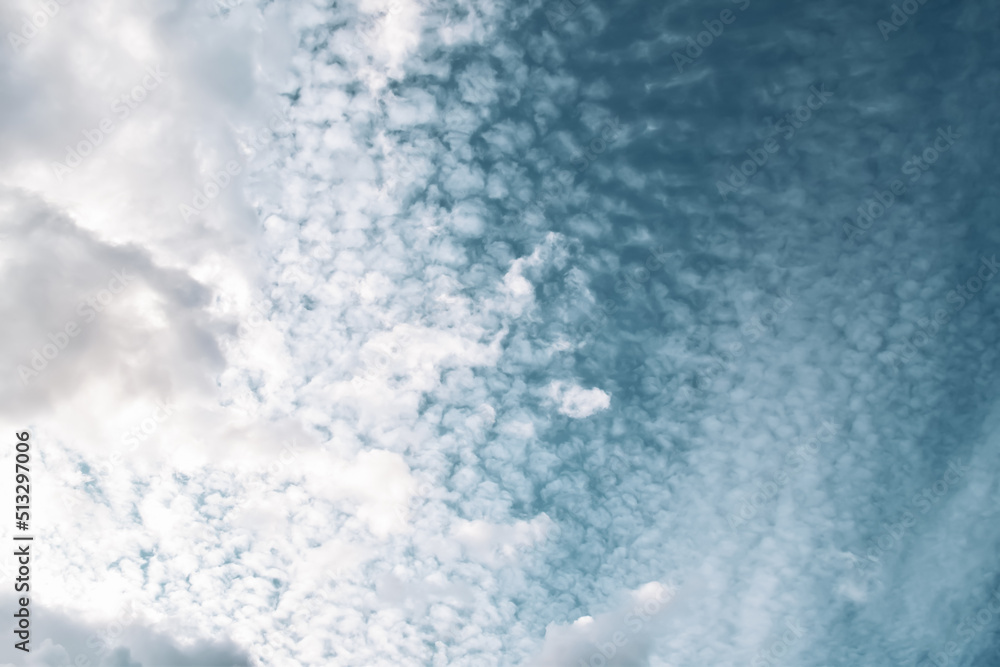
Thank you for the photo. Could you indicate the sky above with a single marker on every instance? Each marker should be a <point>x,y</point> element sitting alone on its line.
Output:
<point>487,334</point>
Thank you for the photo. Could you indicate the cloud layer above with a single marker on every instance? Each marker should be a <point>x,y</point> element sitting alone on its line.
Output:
<point>420,333</point>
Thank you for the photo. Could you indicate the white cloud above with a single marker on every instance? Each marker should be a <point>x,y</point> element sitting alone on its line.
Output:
<point>577,402</point>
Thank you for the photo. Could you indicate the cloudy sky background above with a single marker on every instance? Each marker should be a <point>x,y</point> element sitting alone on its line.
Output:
<point>468,359</point>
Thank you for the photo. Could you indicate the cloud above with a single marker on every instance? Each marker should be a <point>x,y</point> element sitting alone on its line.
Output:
<point>390,339</point>
<point>577,402</point>
<point>124,640</point>
<point>621,636</point>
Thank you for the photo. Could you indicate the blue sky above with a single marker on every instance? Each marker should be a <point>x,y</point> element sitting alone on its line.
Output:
<point>485,334</point>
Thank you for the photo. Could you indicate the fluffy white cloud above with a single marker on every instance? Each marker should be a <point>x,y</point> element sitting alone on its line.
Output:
<point>578,402</point>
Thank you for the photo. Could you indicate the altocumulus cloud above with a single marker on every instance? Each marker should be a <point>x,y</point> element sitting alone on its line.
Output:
<point>432,404</point>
